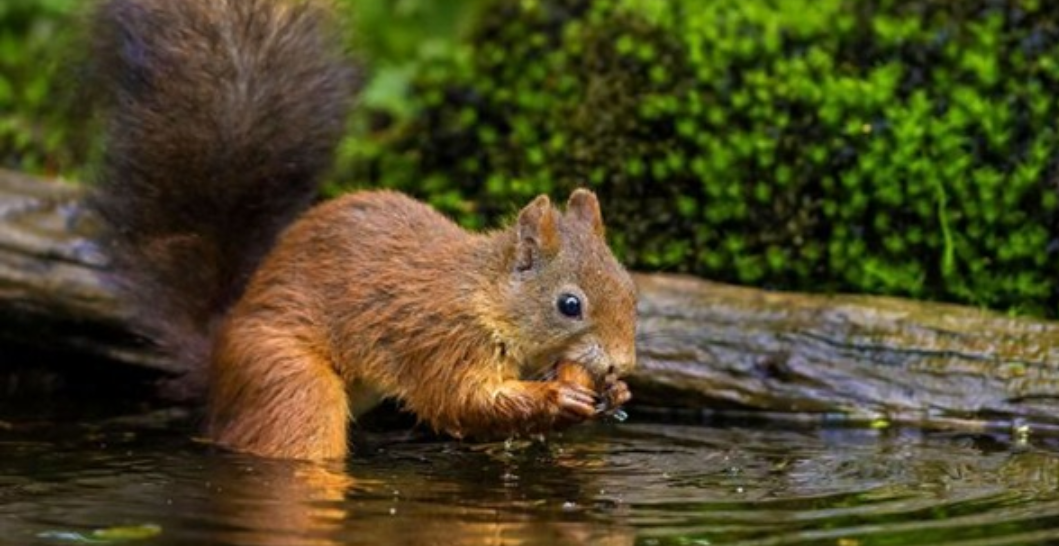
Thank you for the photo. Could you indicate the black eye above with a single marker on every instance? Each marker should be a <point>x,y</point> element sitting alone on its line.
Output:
<point>569,305</point>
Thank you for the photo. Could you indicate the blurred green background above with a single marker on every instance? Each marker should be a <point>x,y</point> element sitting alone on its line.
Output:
<point>888,147</point>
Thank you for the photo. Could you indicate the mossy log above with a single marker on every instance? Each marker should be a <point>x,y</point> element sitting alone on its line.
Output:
<point>702,345</point>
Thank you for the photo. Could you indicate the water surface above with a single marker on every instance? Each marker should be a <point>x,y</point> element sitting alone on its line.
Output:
<point>639,482</point>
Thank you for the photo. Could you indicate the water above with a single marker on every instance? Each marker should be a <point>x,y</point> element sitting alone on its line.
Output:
<point>647,483</point>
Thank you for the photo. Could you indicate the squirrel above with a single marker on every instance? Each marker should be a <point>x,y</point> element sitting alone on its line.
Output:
<point>221,116</point>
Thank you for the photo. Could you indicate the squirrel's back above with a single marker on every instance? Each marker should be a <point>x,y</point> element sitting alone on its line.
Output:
<point>220,118</point>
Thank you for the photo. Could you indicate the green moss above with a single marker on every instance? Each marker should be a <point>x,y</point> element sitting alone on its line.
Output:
<point>897,147</point>
<point>37,132</point>
<point>905,147</point>
<point>45,123</point>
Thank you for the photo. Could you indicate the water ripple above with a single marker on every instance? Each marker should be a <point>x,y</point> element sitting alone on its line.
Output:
<point>645,483</point>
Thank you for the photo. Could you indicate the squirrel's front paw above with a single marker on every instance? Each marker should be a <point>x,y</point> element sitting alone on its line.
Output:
<point>571,403</point>
<point>615,394</point>
<point>612,394</point>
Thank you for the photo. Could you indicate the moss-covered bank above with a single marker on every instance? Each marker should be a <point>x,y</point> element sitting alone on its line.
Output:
<point>897,147</point>
<point>904,147</point>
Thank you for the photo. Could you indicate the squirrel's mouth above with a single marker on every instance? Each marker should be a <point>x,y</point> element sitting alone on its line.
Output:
<point>550,371</point>
<point>590,357</point>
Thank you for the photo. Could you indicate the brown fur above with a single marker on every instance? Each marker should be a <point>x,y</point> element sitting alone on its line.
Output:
<point>223,115</point>
<point>375,294</point>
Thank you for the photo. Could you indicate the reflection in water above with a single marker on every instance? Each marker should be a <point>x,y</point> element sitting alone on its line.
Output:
<point>436,493</point>
<point>612,485</point>
<point>275,502</point>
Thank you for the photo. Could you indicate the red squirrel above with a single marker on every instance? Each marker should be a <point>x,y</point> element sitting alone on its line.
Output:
<point>221,116</point>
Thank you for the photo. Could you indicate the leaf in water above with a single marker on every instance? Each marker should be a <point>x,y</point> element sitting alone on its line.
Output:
<point>109,535</point>
<point>128,532</point>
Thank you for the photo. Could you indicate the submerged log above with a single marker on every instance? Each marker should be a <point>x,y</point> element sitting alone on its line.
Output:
<point>701,344</point>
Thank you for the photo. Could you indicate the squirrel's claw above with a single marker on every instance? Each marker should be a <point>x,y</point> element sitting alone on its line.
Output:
<point>575,403</point>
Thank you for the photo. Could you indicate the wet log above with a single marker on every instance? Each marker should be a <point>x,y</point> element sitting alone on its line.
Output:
<point>702,344</point>
<point>705,344</point>
<point>52,296</point>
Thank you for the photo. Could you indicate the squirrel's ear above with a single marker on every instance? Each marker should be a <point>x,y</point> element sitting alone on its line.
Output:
<point>584,206</point>
<point>538,235</point>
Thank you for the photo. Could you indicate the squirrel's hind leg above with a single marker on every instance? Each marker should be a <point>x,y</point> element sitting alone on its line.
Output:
<point>275,395</point>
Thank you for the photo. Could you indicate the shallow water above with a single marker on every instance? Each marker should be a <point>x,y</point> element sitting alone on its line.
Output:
<point>635,483</point>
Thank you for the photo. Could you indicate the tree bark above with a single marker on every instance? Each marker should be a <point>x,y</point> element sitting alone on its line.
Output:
<point>701,344</point>
<point>52,290</point>
<point>866,357</point>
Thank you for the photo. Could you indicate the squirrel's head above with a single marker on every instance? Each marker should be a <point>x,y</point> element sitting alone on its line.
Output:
<point>568,296</point>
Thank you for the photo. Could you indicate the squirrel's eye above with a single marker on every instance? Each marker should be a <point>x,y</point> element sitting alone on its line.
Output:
<point>569,305</point>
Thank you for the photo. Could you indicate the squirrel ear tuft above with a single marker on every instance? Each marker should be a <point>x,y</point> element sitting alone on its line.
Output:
<point>538,234</point>
<point>584,206</point>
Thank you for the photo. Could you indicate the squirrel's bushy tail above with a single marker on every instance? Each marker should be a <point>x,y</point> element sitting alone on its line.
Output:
<point>220,117</point>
